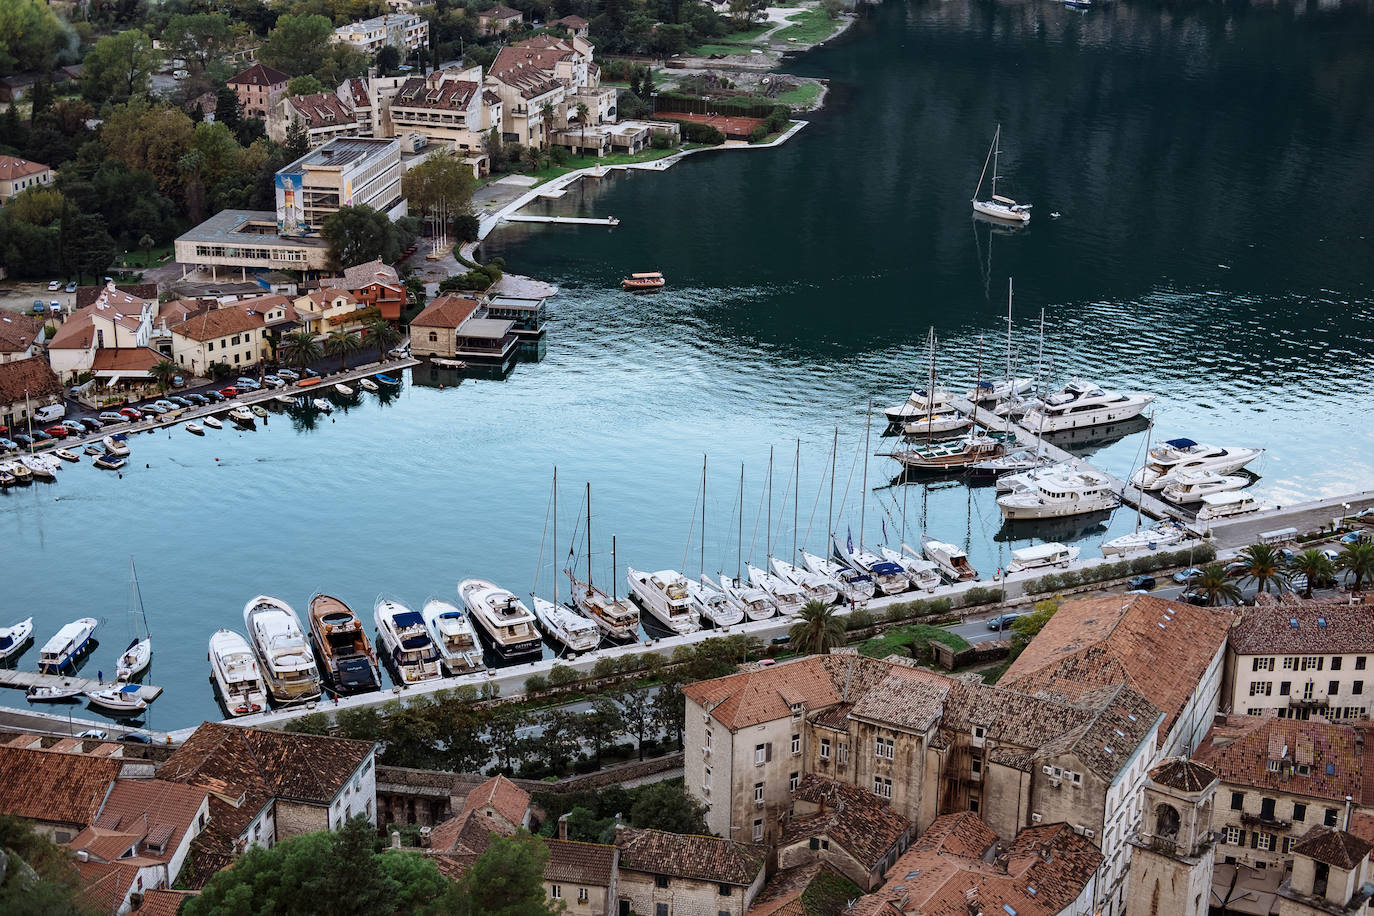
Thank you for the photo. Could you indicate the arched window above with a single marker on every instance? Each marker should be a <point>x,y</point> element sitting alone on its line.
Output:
<point>433,336</point>
<point>1166,821</point>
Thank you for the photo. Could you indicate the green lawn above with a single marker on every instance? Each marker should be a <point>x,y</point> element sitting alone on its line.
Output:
<point>900,640</point>
<point>801,97</point>
<point>134,258</point>
<point>808,27</point>
<point>734,43</point>
<point>587,162</point>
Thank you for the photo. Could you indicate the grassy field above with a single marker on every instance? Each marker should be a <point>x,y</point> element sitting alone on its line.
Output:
<point>134,258</point>
<point>587,162</point>
<point>900,640</point>
<point>801,97</point>
<point>808,27</point>
<point>734,43</point>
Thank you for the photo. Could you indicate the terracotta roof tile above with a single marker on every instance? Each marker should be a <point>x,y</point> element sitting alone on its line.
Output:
<point>1241,749</point>
<point>322,109</point>
<point>447,311</point>
<point>856,820</point>
<point>502,796</point>
<point>53,785</point>
<point>1183,775</point>
<point>155,811</point>
<point>1096,642</point>
<point>32,375</point>
<point>259,75</point>
<point>161,902</point>
<point>436,92</point>
<point>17,332</point>
<point>907,697</point>
<point>86,295</point>
<point>12,168</point>
<point>740,700</point>
<point>705,858</point>
<point>106,884</point>
<point>587,864</point>
<point>1323,628</point>
<point>1334,847</point>
<point>232,318</point>
<point>125,359</point>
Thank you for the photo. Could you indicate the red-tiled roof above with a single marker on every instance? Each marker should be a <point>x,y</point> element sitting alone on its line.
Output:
<point>436,92</point>
<point>447,311</point>
<point>499,12</point>
<point>587,864</point>
<point>572,22</point>
<point>106,885</point>
<point>32,375</point>
<point>53,785</point>
<point>858,821</point>
<point>12,168</point>
<point>154,812</point>
<point>17,332</point>
<point>161,902</point>
<point>705,858</point>
<point>322,109</point>
<point>527,70</point>
<point>1297,627</point>
<point>1334,847</point>
<point>740,700</point>
<point>233,318</point>
<point>1323,760</point>
<point>86,295</point>
<point>1183,775</point>
<point>501,796</point>
<point>259,75</point>
<point>125,359</point>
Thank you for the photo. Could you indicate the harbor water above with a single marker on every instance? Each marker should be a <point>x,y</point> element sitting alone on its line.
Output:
<point>1210,171</point>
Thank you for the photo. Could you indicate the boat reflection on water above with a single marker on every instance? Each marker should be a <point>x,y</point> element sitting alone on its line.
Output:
<point>1083,442</point>
<point>1063,530</point>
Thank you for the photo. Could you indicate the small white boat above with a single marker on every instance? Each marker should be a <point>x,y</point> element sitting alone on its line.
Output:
<point>344,390</point>
<point>109,462</point>
<point>501,617</point>
<point>240,413</point>
<point>988,391</point>
<point>1081,404</point>
<point>259,411</point>
<point>236,674</point>
<point>664,595</point>
<point>1169,461</point>
<point>14,638</point>
<point>445,363</point>
<point>937,424</point>
<point>454,635</point>
<point>757,604</point>
<point>120,698</point>
<point>1165,534</point>
<point>195,429</point>
<point>115,446</point>
<point>1041,556</point>
<point>53,693</point>
<point>815,586</point>
<point>66,455</point>
<point>1225,505</point>
<point>855,585</point>
<point>405,642</point>
<point>713,605</point>
<point>997,206</point>
<point>890,578</point>
<point>212,422</point>
<point>786,594</point>
<point>565,626</point>
<point>367,384</point>
<point>135,659</point>
<point>322,405</point>
<point>953,562</point>
<point>67,645</point>
<point>94,448</point>
<point>42,467</point>
<point>1078,492</point>
<point>285,400</point>
<point>1191,488</point>
<point>918,404</point>
<point>1011,463</point>
<point>922,573</point>
<point>288,665</point>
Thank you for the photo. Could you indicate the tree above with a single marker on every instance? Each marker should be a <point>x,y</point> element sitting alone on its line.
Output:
<point>198,38</point>
<point>30,34</point>
<point>357,235</point>
<point>1314,566</point>
<point>298,44</point>
<point>383,335</point>
<point>297,141</point>
<point>466,228</point>
<point>305,84</point>
<point>600,726</point>
<point>1358,562</point>
<point>38,877</point>
<point>163,372</point>
<point>582,114</point>
<point>817,629</point>
<point>119,68</point>
<point>670,712</point>
<point>342,62</point>
<point>1264,566</point>
<point>637,714</point>
<point>299,348</point>
<point>558,739</point>
<point>1214,587</point>
<point>546,115</point>
<point>507,880</point>
<point>150,138</point>
<point>504,734</point>
<point>388,60</point>
<point>667,806</point>
<point>336,873</point>
<point>86,247</point>
<point>146,242</point>
<point>492,145</point>
<point>440,188</point>
<point>1028,626</point>
<point>342,344</point>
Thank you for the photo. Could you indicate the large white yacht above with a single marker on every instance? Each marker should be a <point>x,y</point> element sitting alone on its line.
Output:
<point>287,662</point>
<point>1077,492</point>
<point>664,595</point>
<point>1081,403</point>
<point>1170,460</point>
<point>1041,556</point>
<point>565,626</point>
<point>502,617</point>
<point>1191,488</point>
<point>406,642</point>
<point>1224,505</point>
<point>453,633</point>
<point>918,404</point>
<point>236,674</point>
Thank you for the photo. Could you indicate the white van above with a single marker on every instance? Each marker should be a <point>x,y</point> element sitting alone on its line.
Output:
<point>50,414</point>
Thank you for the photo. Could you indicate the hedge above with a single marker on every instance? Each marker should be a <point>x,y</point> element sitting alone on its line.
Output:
<point>1106,572</point>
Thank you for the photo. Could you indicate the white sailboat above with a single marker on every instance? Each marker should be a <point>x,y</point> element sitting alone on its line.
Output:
<point>454,636</point>
<point>757,603</point>
<point>616,618</point>
<point>713,605</point>
<point>139,654</point>
<point>997,206</point>
<point>277,638</point>
<point>815,586</point>
<point>890,577</point>
<point>922,573</point>
<point>855,585</point>
<point>236,674</point>
<point>406,642</point>
<point>664,595</point>
<point>565,626</point>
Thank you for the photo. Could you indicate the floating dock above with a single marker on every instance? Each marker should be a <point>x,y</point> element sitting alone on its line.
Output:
<point>569,220</point>
<point>23,680</point>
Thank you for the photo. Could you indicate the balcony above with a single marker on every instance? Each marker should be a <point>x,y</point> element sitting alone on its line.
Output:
<point>1265,820</point>
<point>1309,702</point>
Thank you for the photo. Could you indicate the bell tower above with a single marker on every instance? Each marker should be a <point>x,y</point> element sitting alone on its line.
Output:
<point>1171,858</point>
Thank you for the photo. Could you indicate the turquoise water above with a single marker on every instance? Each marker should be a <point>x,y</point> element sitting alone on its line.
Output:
<point>1210,166</point>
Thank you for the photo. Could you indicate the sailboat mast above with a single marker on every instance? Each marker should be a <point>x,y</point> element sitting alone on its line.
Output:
<point>796,489</point>
<point>996,151</point>
<point>1012,384</point>
<point>739,545</point>
<point>614,599</point>
<point>555,534</point>
<point>703,515</point>
<point>972,430</point>
<point>1040,356</point>
<point>589,533</point>
<point>768,527</point>
<point>1148,431</point>
<point>863,503</point>
<point>138,597</point>
<point>830,513</point>
<point>930,389</point>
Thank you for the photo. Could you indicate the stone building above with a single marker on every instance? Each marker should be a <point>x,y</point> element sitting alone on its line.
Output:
<point>258,88</point>
<point>852,831</point>
<point>1171,864</point>
<point>671,874</point>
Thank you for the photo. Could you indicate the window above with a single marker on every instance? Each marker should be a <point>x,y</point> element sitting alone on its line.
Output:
<point>1261,688</point>
<point>1333,688</point>
<point>1267,808</point>
<point>1262,664</point>
<point>1299,812</point>
<point>1335,663</point>
<point>660,881</point>
<point>760,755</point>
<point>210,347</point>
<point>1287,845</point>
<point>725,890</point>
<point>758,830</point>
<point>1359,662</point>
<point>1290,663</point>
<point>977,765</point>
<point>796,745</point>
<point>758,793</point>
<point>825,748</point>
<point>1357,688</point>
<point>1285,687</point>
<point>582,895</point>
<point>797,710</point>
<point>1233,836</point>
<point>660,909</point>
<point>234,340</point>
<point>844,753</point>
<point>1237,801</point>
<point>556,891</point>
<point>706,779</point>
<point>882,787</point>
<point>793,781</point>
<point>1330,818</point>
<point>884,747</point>
<point>1272,766</point>
<point>708,739</point>
<point>1312,662</point>
<point>1266,841</point>
<point>433,336</point>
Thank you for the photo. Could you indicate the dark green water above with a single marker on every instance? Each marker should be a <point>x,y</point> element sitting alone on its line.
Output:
<point>1213,171</point>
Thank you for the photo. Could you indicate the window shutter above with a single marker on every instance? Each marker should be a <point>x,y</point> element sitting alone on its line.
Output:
<point>768,751</point>
<point>815,842</point>
<point>1254,839</point>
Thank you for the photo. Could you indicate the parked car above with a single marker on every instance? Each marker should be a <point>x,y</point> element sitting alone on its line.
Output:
<point>55,307</point>
<point>178,381</point>
<point>1354,537</point>
<point>213,395</point>
<point>8,445</point>
<point>179,401</point>
<point>135,738</point>
<point>246,384</point>
<point>131,413</point>
<point>199,399</point>
<point>152,410</point>
<point>229,392</point>
<point>274,381</point>
<point>58,431</point>
<point>1236,568</point>
<point>75,426</point>
<point>1141,583</point>
<point>1191,597</point>
<point>291,375</point>
<point>1331,554</point>
<point>1184,576</point>
<point>71,287</point>
<point>22,440</point>
<point>54,286</point>
<point>1002,621</point>
<point>92,424</point>
<point>111,416</point>
<point>310,373</point>
<point>38,307</point>
<point>41,436</point>
<point>96,734</point>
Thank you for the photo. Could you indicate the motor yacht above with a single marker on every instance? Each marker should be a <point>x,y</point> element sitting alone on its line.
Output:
<point>501,618</point>
<point>236,674</point>
<point>1165,534</point>
<point>918,404</point>
<point>1080,404</point>
<point>1225,505</point>
<point>14,638</point>
<point>405,641</point>
<point>1191,488</point>
<point>664,595</point>
<point>1076,492</point>
<point>952,561</point>
<point>616,617</point>
<point>1169,461</point>
<point>713,605</point>
<point>455,636</point>
<point>66,646</point>
<point>565,626</point>
<point>347,659</point>
<point>1041,556</point>
<point>288,665</point>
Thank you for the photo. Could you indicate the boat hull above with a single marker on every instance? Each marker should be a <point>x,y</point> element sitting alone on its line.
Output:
<point>477,596</point>
<point>1015,214</point>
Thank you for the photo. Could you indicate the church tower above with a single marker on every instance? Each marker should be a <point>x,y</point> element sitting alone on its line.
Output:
<point>1171,858</point>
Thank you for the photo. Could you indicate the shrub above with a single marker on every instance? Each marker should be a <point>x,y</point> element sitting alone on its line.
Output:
<point>702,133</point>
<point>536,683</point>
<point>858,619</point>
<point>981,595</point>
<point>1049,583</point>
<point>466,227</point>
<point>758,134</point>
<point>604,667</point>
<point>563,675</point>
<point>660,141</point>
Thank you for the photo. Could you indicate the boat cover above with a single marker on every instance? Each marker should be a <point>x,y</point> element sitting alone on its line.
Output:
<point>1181,443</point>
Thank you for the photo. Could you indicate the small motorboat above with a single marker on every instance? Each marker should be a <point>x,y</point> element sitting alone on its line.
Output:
<point>1165,534</point>
<point>54,693</point>
<point>643,282</point>
<point>1041,556</point>
<point>195,429</point>
<point>367,384</point>
<point>322,405</point>
<point>344,390</point>
<point>213,423</point>
<point>308,381</point>
<point>285,400</point>
<point>387,380</point>
<point>6,478</point>
<point>952,560</point>
<point>67,645</point>
<point>109,462</point>
<point>445,363</point>
<point>119,698</point>
<point>95,448</point>
<point>20,473</point>
<point>42,466</point>
<point>14,638</point>
<point>66,455</point>
<point>241,414</point>
<point>259,411</point>
<point>115,445</point>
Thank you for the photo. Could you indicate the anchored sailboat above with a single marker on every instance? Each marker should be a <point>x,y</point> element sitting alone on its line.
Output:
<point>997,206</point>
<point>139,654</point>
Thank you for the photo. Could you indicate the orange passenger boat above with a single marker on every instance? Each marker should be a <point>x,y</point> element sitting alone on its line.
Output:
<point>638,283</point>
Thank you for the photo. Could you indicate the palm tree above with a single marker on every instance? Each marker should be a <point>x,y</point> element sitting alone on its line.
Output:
<point>1358,562</point>
<point>547,111</point>
<point>1312,565</point>
<point>380,332</point>
<point>163,372</point>
<point>817,629</point>
<point>1264,565</point>
<point>1211,583</point>
<point>147,243</point>
<point>342,343</point>
<point>582,112</point>
<point>299,348</point>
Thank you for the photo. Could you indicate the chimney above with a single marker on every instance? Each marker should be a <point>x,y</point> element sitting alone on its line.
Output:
<point>395,839</point>
<point>563,826</point>
<point>1346,825</point>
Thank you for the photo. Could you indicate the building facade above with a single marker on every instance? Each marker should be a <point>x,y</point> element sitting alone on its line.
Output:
<point>672,874</point>
<point>259,88</point>
<point>341,173</point>
<point>18,175</point>
<point>406,32</point>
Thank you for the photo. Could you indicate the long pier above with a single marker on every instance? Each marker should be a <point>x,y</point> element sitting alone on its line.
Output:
<point>1152,506</point>
<point>23,680</point>
<point>569,220</point>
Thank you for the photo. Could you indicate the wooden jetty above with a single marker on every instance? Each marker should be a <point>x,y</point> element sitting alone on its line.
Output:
<point>569,220</point>
<point>1132,495</point>
<point>23,680</point>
